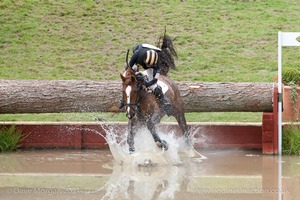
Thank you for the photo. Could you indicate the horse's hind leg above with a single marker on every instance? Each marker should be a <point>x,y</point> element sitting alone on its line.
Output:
<point>180,118</point>
<point>160,143</point>
<point>189,147</point>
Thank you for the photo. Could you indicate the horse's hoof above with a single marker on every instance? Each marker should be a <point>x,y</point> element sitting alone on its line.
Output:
<point>131,150</point>
<point>162,144</point>
<point>165,145</point>
<point>188,140</point>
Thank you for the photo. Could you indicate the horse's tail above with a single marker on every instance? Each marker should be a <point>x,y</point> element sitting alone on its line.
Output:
<point>167,54</point>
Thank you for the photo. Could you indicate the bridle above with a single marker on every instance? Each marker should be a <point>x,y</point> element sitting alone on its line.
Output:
<point>136,105</point>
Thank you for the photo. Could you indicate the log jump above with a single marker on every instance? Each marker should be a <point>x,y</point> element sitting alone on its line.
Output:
<point>57,96</point>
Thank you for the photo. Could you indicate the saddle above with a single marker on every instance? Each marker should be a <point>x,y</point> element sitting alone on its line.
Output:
<point>143,78</point>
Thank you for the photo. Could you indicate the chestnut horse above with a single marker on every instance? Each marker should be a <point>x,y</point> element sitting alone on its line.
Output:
<point>143,108</point>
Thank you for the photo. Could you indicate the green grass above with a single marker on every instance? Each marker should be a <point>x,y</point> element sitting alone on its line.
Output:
<point>225,40</point>
<point>9,138</point>
<point>291,140</point>
<point>93,117</point>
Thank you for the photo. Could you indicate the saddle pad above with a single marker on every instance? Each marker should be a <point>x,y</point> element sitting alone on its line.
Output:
<point>163,86</point>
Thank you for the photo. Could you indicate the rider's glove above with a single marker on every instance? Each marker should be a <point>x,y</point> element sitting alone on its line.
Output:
<point>139,77</point>
<point>135,68</point>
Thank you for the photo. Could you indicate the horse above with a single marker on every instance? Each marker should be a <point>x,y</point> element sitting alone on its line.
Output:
<point>144,109</point>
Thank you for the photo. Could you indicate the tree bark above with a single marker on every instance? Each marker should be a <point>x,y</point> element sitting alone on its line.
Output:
<point>35,96</point>
<point>227,97</point>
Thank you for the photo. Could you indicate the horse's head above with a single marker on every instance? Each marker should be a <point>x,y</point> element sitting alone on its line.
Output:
<point>130,93</point>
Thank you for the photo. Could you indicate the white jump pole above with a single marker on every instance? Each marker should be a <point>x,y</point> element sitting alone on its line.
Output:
<point>279,93</point>
<point>284,39</point>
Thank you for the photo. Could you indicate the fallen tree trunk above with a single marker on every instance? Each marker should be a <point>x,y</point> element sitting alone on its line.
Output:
<point>227,97</point>
<point>34,96</point>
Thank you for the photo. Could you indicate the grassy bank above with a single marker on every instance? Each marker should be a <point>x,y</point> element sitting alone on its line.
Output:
<point>90,117</point>
<point>226,40</point>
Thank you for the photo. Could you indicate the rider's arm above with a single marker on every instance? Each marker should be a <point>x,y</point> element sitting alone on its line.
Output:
<point>157,73</point>
<point>157,68</point>
<point>133,59</point>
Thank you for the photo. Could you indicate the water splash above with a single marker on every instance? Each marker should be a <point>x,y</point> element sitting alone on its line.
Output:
<point>146,151</point>
<point>148,173</point>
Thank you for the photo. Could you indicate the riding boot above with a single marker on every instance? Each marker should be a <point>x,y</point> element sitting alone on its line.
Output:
<point>166,103</point>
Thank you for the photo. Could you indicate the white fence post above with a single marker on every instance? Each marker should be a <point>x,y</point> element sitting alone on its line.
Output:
<point>284,39</point>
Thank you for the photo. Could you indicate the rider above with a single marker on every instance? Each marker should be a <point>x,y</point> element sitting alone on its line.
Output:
<point>148,56</point>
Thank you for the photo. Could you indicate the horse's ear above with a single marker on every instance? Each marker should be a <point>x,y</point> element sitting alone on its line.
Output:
<point>122,77</point>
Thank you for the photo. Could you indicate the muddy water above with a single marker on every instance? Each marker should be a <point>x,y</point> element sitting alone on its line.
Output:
<point>92,174</point>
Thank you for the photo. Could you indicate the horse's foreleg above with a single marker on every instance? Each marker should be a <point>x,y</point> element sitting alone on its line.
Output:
<point>151,128</point>
<point>130,141</point>
<point>130,137</point>
<point>160,143</point>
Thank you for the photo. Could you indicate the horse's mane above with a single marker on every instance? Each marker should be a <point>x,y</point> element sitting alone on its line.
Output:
<point>167,54</point>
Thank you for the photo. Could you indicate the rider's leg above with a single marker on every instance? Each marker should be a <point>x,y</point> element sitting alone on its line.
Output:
<point>160,95</point>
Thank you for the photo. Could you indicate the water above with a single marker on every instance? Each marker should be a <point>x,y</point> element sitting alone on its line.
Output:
<point>93,174</point>
<point>146,151</point>
<point>179,173</point>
